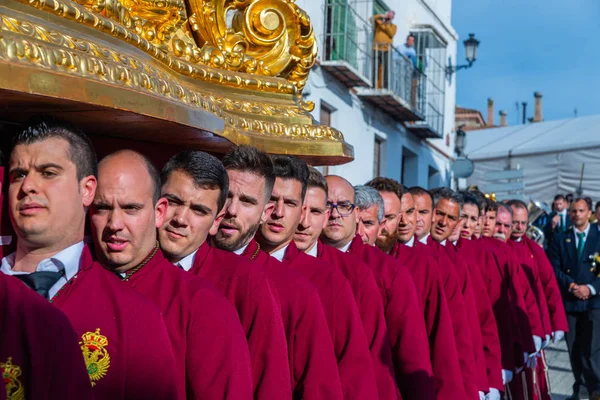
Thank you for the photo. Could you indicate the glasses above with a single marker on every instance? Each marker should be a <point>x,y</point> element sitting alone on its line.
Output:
<point>344,209</point>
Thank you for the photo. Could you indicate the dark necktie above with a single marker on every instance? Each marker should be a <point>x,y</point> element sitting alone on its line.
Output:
<point>580,244</point>
<point>41,281</point>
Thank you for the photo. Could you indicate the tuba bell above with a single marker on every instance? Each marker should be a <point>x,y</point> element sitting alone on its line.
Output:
<point>536,209</point>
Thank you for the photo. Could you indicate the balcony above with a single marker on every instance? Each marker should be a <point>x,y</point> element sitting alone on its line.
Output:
<point>397,85</point>
<point>430,128</point>
<point>346,52</point>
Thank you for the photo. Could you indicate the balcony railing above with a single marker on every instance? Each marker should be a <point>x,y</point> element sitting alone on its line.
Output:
<point>346,50</point>
<point>397,84</point>
<point>432,127</point>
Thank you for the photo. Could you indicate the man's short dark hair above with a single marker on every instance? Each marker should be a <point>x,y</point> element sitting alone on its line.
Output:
<point>250,159</point>
<point>446,194</point>
<point>317,180</point>
<point>470,198</point>
<point>290,167</point>
<point>205,170</point>
<point>597,205</point>
<point>81,151</point>
<point>569,197</point>
<point>517,204</point>
<point>481,200</point>
<point>559,197</point>
<point>419,191</point>
<point>584,199</point>
<point>410,35</point>
<point>382,184</point>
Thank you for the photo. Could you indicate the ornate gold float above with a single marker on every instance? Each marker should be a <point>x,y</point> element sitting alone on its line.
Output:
<point>202,74</point>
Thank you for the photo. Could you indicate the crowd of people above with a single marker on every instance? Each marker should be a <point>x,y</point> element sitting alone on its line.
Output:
<point>257,277</point>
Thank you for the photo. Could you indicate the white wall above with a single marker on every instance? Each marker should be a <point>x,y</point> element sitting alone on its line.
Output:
<point>360,122</point>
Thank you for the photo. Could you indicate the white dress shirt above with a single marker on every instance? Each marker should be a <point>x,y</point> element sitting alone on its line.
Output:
<point>66,260</point>
<point>346,247</point>
<point>187,262</point>
<point>279,254</point>
<point>313,251</point>
<point>411,242</point>
<point>241,249</point>
<point>424,238</point>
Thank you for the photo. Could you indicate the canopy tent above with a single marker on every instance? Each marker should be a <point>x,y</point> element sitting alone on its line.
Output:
<point>550,154</point>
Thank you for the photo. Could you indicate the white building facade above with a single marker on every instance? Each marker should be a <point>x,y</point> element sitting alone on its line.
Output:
<point>398,114</point>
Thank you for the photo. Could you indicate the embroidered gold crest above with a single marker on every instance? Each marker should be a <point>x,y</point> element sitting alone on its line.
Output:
<point>97,359</point>
<point>10,375</point>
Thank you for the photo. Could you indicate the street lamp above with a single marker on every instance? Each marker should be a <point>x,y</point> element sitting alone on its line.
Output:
<point>471,45</point>
<point>461,142</point>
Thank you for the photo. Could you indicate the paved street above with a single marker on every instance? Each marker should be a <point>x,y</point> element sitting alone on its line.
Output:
<point>561,378</point>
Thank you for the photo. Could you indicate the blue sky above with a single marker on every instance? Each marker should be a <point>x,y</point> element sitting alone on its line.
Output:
<point>552,46</point>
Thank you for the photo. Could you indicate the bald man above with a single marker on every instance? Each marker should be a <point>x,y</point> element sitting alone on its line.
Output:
<point>406,329</point>
<point>209,346</point>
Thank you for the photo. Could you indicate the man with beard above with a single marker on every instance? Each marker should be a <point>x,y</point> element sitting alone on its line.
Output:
<point>427,278</point>
<point>529,323</point>
<point>410,350</point>
<point>370,213</point>
<point>52,171</point>
<point>312,362</point>
<point>182,235</point>
<point>533,270</point>
<point>275,236</point>
<point>574,258</point>
<point>462,238</point>
<point>450,280</point>
<point>210,350</point>
<point>360,277</point>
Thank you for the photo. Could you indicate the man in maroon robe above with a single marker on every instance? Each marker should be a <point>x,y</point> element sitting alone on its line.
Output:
<point>406,330</point>
<point>208,343</point>
<point>360,277</point>
<point>35,365</point>
<point>182,237</point>
<point>427,278</point>
<point>437,229</point>
<point>489,330</point>
<point>529,322</point>
<point>123,338</point>
<point>312,362</point>
<point>276,237</point>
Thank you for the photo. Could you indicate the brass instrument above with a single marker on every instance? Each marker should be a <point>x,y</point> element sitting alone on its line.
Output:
<point>536,209</point>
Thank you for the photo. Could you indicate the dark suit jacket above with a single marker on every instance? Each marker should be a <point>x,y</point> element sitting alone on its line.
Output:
<point>549,232</point>
<point>568,269</point>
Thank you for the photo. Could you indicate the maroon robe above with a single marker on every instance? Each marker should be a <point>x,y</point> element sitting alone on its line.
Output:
<point>366,293</point>
<point>347,334</point>
<point>550,287</point>
<point>313,366</point>
<point>45,359</point>
<point>466,286</point>
<point>432,300</point>
<point>246,286</point>
<point>122,334</point>
<point>487,320</point>
<point>209,345</point>
<point>406,328</point>
<point>498,283</point>
<point>458,313</point>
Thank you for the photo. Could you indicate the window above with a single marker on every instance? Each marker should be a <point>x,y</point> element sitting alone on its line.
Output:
<point>410,168</point>
<point>433,179</point>
<point>325,113</point>
<point>377,154</point>
<point>431,60</point>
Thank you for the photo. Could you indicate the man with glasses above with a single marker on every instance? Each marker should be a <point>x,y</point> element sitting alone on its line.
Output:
<point>406,329</point>
<point>359,275</point>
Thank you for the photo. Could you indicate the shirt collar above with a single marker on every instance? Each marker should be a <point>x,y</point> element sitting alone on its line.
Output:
<point>424,239</point>
<point>346,247</point>
<point>411,242</point>
<point>65,260</point>
<point>241,249</point>
<point>443,242</point>
<point>187,262</point>
<point>455,243</point>
<point>518,240</point>
<point>313,251</point>
<point>586,230</point>
<point>279,254</point>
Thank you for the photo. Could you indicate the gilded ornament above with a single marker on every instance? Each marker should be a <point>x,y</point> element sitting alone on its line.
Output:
<point>10,375</point>
<point>95,355</point>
